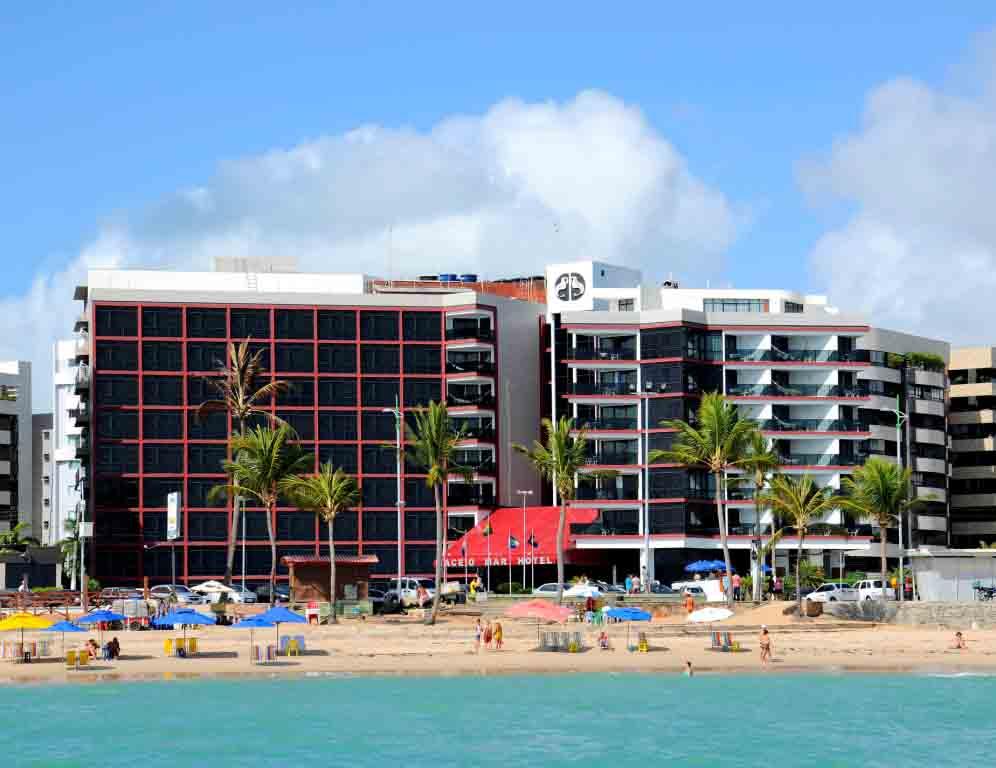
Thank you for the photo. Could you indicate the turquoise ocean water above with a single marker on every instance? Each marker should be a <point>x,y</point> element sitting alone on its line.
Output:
<point>576,720</point>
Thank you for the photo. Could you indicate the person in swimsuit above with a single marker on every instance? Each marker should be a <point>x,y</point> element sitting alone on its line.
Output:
<point>487,635</point>
<point>478,632</point>
<point>688,669</point>
<point>498,635</point>
<point>959,642</point>
<point>689,603</point>
<point>764,641</point>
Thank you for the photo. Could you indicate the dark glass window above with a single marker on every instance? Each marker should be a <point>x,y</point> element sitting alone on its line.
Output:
<point>380,525</point>
<point>198,490</point>
<point>337,392</point>
<point>346,526</point>
<point>302,422</point>
<point>117,355</point>
<point>378,326</point>
<point>250,323</point>
<point>117,457</point>
<point>419,558</point>
<point>263,348</point>
<point>387,558</point>
<point>154,529</point>
<point>379,392</point>
<point>162,425</point>
<point>422,391</point>
<point>380,358</point>
<point>258,559</point>
<point>116,390</point>
<point>293,323</point>
<point>117,492</point>
<point>162,459</point>
<point>119,425</point>
<point>420,525</point>
<point>423,359</point>
<point>336,358</point>
<point>295,358</point>
<point>203,323</point>
<point>337,324</point>
<point>210,426</point>
<point>418,494</point>
<point>379,492</point>
<point>205,561</point>
<point>116,564</point>
<point>664,409</point>
<point>207,526</point>
<point>661,342</point>
<point>116,321</point>
<point>162,390</point>
<point>337,425</point>
<point>379,460</point>
<point>206,459</point>
<point>667,518</point>
<point>422,326</point>
<point>255,526</point>
<point>299,392</point>
<point>662,377</point>
<point>341,456</point>
<point>378,426</point>
<point>200,389</point>
<point>161,356</point>
<point>296,526</point>
<point>161,321</point>
<point>206,355</point>
<point>156,489</point>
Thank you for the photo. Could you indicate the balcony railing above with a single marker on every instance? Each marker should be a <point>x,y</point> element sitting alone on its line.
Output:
<point>775,355</point>
<point>606,423</point>
<point>457,334</point>
<point>612,458</point>
<point>587,353</point>
<point>816,460</point>
<point>795,390</point>
<point>585,493</point>
<point>82,378</point>
<point>460,496</point>
<point>480,466</point>
<point>472,432</point>
<point>472,366</point>
<point>483,401</point>
<point>810,425</point>
<point>80,414</point>
<point>608,388</point>
<point>82,446</point>
<point>598,529</point>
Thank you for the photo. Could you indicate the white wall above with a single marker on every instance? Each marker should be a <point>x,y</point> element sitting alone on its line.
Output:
<point>65,433</point>
<point>17,374</point>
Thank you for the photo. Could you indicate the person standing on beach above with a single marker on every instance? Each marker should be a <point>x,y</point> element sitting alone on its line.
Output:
<point>487,635</point>
<point>689,603</point>
<point>764,641</point>
<point>688,669</point>
<point>478,631</point>
<point>736,586</point>
<point>629,585</point>
<point>498,635</point>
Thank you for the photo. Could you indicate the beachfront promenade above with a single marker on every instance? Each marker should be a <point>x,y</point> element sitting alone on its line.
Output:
<point>403,645</point>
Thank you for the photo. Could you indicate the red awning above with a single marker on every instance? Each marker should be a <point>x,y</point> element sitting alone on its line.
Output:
<point>538,545</point>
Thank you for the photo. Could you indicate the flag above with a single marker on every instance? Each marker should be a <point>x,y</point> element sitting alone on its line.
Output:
<point>513,543</point>
<point>488,530</point>
<point>532,541</point>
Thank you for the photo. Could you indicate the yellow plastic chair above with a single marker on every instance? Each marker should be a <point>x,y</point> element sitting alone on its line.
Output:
<point>70,659</point>
<point>644,646</point>
<point>83,658</point>
<point>168,647</point>
<point>180,644</point>
<point>192,646</point>
<point>293,649</point>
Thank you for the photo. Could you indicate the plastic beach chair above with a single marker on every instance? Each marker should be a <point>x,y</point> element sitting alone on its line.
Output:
<point>83,659</point>
<point>256,655</point>
<point>292,649</point>
<point>643,644</point>
<point>70,659</point>
<point>168,646</point>
<point>300,643</point>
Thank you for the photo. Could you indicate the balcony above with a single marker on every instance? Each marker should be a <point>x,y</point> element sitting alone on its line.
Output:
<point>83,447</point>
<point>480,367</point>
<point>810,425</point>
<point>82,379</point>
<point>80,414</point>
<point>467,400</point>
<point>462,495</point>
<point>470,333</point>
<point>606,424</point>
<point>587,493</point>
<point>608,388</point>
<point>475,431</point>
<point>612,458</point>
<point>791,356</point>
<point>599,529</point>
<point>601,354</point>
<point>82,346</point>
<point>817,460</point>
<point>795,390</point>
<point>480,466</point>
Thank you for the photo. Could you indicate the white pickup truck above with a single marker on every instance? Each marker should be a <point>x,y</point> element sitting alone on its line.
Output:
<point>832,592</point>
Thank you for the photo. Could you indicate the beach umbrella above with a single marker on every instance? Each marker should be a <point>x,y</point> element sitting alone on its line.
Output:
<point>583,591</point>
<point>700,566</point>
<point>100,618</point>
<point>63,627</point>
<point>541,610</point>
<point>706,615</point>
<point>252,623</point>
<point>628,615</point>
<point>278,615</point>
<point>22,621</point>
<point>184,617</point>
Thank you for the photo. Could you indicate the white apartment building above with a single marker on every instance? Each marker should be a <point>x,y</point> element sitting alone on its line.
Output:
<point>66,486</point>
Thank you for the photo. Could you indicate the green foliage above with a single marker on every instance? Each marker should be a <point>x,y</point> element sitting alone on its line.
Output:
<point>92,585</point>
<point>927,361</point>
<point>810,576</point>
<point>14,541</point>
<point>511,588</point>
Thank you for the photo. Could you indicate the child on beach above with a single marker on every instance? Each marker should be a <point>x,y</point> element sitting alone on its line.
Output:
<point>487,635</point>
<point>498,635</point>
<point>603,640</point>
<point>764,641</point>
<point>959,642</point>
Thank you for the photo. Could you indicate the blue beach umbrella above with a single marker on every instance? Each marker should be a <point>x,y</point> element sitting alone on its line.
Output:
<point>63,627</point>
<point>253,623</point>
<point>278,615</point>
<point>628,615</point>
<point>99,618</point>
<point>700,566</point>
<point>183,617</point>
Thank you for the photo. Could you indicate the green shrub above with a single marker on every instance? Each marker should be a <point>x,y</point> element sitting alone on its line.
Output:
<point>926,360</point>
<point>513,588</point>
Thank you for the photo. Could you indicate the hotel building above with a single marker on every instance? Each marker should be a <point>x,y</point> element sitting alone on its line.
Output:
<point>351,348</point>
<point>16,487</point>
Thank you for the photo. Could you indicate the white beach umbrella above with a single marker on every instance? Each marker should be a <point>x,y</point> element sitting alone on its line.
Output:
<point>706,615</point>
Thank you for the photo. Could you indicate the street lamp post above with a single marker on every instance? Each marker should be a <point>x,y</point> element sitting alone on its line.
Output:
<point>901,418</point>
<point>240,503</point>
<point>524,543</point>
<point>398,428</point>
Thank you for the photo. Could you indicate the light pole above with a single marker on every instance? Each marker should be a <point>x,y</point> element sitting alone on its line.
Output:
<point>398,426</point>
<point>523,494</point>
<point>901,418</point>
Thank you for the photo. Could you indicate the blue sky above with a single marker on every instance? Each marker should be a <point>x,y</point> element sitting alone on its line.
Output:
<point>108,112</point>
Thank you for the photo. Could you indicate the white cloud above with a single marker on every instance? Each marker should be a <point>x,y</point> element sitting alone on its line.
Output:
<point>918,252</point>
<point>499,194</point>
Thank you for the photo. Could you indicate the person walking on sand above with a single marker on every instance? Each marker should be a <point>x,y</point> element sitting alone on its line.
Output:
<point>498,635</point>
<point>764,641</point>
<point>478,632</point>
<point>487,635</point>
<point>689,603</point>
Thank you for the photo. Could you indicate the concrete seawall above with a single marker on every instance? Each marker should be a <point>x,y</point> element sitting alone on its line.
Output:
<point>960,615</point>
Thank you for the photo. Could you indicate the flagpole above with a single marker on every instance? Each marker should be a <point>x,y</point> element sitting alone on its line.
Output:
<point>488,537</point>
<point>532,559</point>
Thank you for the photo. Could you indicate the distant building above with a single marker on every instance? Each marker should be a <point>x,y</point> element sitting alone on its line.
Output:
<point>66,482</point>
<point>15,446</point>
<point>42,466</point>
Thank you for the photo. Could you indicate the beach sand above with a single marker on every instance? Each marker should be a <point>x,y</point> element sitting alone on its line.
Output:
<point>403,645</point>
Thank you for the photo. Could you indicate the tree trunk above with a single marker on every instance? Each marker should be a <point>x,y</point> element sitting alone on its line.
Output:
<point>561,522</point>
<point>273,548</point>
<point>440,553</point>
<point>774,574</point>
<point>233,531</point>
<point>333,619</point>
<point>798,572</point>
<point>758,581</point>
<point>724,543</point>
<point>881,549</point>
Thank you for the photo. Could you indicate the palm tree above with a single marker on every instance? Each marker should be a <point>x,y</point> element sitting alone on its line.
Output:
<point>13,541</point>
<point>718,442</point>
<point>70,547</point>
<point>264,459</point>
<point>238,395</point>
<point>431,445</point>
<point>327,494</point>
<point>800,503</point>
<point>761,461</point>
<point>879,491</point>
<point>558,461</point>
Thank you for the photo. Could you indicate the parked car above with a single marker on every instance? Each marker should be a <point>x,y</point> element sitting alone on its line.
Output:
<point>182,593</point>
<point>832,592</point>
<point>213,590</point>
<point>281,593</point>
<point>110,594</point>
<point>662,589</point>
<point>376,598</point>
<point>409,589</point>
<point>549,590</point>
<point>871,589</point>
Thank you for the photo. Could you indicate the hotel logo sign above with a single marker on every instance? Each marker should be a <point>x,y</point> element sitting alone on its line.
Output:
<point>570,286</point>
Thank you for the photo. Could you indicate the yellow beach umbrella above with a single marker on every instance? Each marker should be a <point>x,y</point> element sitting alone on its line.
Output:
<point>23,621</point>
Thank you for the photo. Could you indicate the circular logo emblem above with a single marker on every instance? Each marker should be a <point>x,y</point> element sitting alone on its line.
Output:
<point>570,286</point>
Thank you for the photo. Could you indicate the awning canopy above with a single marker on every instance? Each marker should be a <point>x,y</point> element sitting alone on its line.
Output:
<point>499,538</point>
